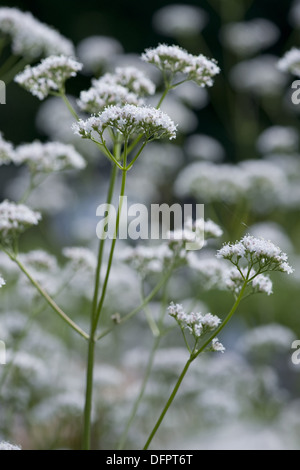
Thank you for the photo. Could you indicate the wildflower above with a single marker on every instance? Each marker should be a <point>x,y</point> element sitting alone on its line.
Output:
<point>95,51</point>
<point>49,157</point>
<point>259,76</point>
<point>236,277</point>
<point>174,60</point>
<point>213,273</point>
<point>15,219</point>
<point>278,139</point>
<point>48,76</point>
<point>6,151</point>
<point>257,251</point>
<point>196,323</point>
<point>217,346</point>
<point>7,446</point>
<point>99,97</point>
<point>176,20</point>
<point>290,62</point>
<point>80,258</point>
<point>128,120</point>
<point>250,37</point>
<point>129,77</point>
<point>30,37</point>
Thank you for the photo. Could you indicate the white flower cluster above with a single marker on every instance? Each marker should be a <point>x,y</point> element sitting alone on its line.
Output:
<point>128,120</point>
<point>260,283</point>
<point>7,446</point>
<point>48,76</point>
<point>195,231</point>
<point>40,260</point>
<point>290,62</point>
<point>148,260</point>
<point>48,157</point>
<point>179,19</point>
<point>102,95</point>
<point>15,218</point>
<point>260,182</point>
<point>6,151</point>
<point>196,323</point>
<point>131,78</point>
<point>96,51</point>
<point>2,282</point>
<point>30,37</point>
<point>174,59</point>
<point>246,38</point>
<point>257,251</point>
<point>259,76</point>
<point>217,346</point>
<point>80,258</point>
<point>278,139</point>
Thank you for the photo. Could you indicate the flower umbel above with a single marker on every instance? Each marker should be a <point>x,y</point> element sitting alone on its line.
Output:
<point>173,60</point>
<point>15,219</point>
<point>128,120</point>
<point>49,76</point>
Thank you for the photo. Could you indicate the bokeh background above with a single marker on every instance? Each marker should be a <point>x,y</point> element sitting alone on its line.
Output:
<point>249,397</point>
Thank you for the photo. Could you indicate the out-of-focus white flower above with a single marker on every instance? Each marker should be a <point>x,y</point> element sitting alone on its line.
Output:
<point>80,258</point>
<point>6,151</point>
<point>98,97</point>
<point>272,336</point>
<point>212,272</point>
<point>250,37</point>
<point>48,76</point>
<point>30,37</point>
<point>217,346</point>
<point>15,219</point>
<point>294,14</point>
<point>290,62</point>
<point>128,120</point>
<point>204,147</point>
<point>132,78</point>
<point>174,60</point>
<point>260,76</point>
<point>95,51</point>
<point>49,157</point>
<point>7,446</point>
<point>278,139</point>
<point>2,282</point>
<point>39,260</point>
<point>191,95</point>
<point>179,20</point>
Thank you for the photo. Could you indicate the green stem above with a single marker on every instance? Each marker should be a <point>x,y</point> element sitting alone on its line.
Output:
<point>168,404</point>
<point>111,254</point>
<point>63,95</point>
<point>151,322</point>
<point>137,155</point>
<point>50,301</point>
<point>192,357</point>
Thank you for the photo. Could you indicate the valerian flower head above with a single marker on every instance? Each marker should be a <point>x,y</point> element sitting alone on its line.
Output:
<point>235,279</point>
<point>258,252</point>
<point>174,60</point>
<point>217,346</point>
<point>128,120</point>
<point>6,152</point>
<point>102,95</point>
<point>15,219</point>
<point>49,157</point>
<point>48,76</point>
<point>290,62</point>
<point>196,323</point>
<point>129,77</point>
<point>30,37</point>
